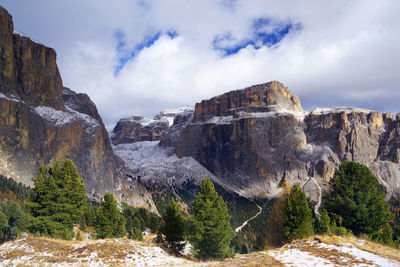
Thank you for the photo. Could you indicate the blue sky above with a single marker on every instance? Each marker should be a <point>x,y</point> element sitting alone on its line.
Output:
<point>139,57</point>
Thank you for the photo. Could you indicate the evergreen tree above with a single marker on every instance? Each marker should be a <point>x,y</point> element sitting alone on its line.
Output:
<point>142,224</point>
<point>387,235</point>
<point>210,231</point>
<point>324,223</point>
<point>129,227</point>
<point>260,243</point>
<point>137,232</point>
<point>17,219</point>
<point>58,200</point>
<point>109,220</point>
<point>358,199</point>
<point>3,226</point>
<point>174,226</point>
<point>298,216</point>
<point>154,223</point>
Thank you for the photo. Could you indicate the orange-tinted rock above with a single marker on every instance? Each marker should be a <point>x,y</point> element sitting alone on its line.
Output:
<point>272,96</point>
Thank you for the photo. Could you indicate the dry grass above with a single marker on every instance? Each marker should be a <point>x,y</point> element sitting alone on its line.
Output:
<point>117,252</point>
<point>334,256</point>
<point>365,245</point>
<point>253,259</point>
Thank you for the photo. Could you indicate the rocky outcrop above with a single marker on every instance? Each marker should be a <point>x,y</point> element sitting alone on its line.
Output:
<point>256,138</point>
<point>137,129</point>
<point>272,96</point>
<point>41,121</point>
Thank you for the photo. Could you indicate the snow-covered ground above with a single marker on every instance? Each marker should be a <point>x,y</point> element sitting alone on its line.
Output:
<point>315,253</point>
<point>35,251</point>
<point>110,252</point>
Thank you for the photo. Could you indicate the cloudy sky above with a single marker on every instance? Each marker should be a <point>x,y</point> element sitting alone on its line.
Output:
<point>139,57</point>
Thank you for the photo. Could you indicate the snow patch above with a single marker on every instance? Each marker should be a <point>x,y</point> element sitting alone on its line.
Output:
<point>26,36</point>
<point>298,254</point>
<point>11,98</point>
<point>159,166</point>
<point>245,115</point>
<point>60,118</point>
<point>340,109</point>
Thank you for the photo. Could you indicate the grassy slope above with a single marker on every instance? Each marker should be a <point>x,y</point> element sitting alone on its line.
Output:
<point>123,252</point>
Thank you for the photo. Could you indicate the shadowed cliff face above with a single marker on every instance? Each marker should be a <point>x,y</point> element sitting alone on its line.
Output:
<point>138,129</point>
<point>41,121</point>
<point>256,138</point>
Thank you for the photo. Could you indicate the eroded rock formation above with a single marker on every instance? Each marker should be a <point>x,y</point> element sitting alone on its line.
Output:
<point>41,121</point>
<point>256,138</point>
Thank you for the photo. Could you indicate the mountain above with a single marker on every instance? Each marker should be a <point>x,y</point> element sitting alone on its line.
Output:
<point>255,138</point>
<point>137,128</point>
<point>250,141</point>
<point>42,121</point>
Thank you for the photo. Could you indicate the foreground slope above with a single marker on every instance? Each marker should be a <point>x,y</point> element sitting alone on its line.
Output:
<point>41,121</point>
<point>328,251</point>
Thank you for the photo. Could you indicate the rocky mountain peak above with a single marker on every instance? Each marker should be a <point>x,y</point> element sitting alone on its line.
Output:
<point>267,97</point>
<point>41,121</point>
<point>28,70</point>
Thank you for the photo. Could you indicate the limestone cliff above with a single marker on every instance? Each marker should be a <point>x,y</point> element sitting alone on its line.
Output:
<point>256,138</point>
<point>137,129</point>
<point>41,121</point>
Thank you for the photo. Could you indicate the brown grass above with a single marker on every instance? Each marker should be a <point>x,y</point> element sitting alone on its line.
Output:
<point>365,245</point>
<point>333,255</point>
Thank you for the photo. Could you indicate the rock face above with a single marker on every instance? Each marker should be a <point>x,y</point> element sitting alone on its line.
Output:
<point>137,129</point>
<point>41,121</point>
<point>272,96</point>
<point>256,138</point>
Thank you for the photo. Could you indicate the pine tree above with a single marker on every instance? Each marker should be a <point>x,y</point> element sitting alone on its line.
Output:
<point>129,227</point>
<point>109,220</point>
<point>210,231</point>
<point>3,226</point>
<point>298,216</point>
<point>174,226</point>
<point>358,199</point>
<point>58,200</point>
<point>324,223</point>
<point>260,243</point>
<point>387,235</point>
<point>137,232</point>
<point>154,223</point>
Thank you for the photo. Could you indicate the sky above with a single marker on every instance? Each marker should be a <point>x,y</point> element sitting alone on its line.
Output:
<point>140,57</point>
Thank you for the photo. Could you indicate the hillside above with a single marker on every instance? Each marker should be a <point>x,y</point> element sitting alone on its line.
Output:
<point>326,251</point>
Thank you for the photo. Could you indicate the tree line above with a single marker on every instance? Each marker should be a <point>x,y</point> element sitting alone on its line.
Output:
<point>355,204</point>
<point>59,201</point>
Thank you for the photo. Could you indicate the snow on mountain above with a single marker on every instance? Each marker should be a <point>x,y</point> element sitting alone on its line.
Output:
<point>60,118</point>
<point>159,166</point>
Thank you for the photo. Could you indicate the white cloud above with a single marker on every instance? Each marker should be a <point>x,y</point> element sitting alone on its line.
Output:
<point>346,52</point>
